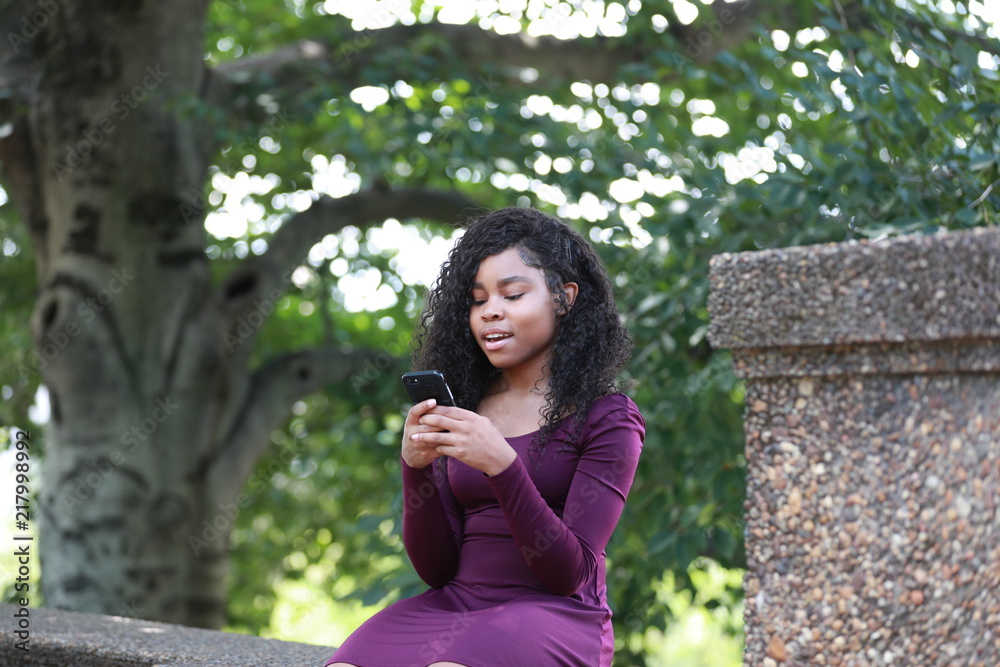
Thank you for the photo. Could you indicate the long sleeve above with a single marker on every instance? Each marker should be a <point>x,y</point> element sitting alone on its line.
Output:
<point>564,551</point>
<point>432,524</point>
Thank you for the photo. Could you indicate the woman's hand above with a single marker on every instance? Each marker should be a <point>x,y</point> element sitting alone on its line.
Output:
<point>460,434</point>
<point>418,454</point>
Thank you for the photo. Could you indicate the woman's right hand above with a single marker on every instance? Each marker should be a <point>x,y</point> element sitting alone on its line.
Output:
<point>418,454</point>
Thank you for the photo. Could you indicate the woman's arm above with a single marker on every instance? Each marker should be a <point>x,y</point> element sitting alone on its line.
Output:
<point>432,524</point>
<point>563,552</point>
<point>432,518</point>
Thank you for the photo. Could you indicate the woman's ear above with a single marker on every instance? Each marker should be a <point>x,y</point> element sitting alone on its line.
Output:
<point>570,290</point>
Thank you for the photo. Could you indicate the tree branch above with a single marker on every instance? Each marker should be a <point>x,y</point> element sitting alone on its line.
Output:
<point>19,69</point>
<point>273,388</point>
<point>345,61</point>
<point>19,160</point>
<point>857,16</point>
<point>259,278</point>
<point>595,59</point>
<point>19,75</point>
<point>272,62</point>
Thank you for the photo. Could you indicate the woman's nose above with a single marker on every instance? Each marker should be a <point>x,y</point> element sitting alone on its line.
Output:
<point>491,311</point>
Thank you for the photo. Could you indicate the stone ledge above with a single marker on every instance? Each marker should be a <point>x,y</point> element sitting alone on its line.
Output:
<point>952,356</point>
<point>909,288</point>
<point>62,638</point>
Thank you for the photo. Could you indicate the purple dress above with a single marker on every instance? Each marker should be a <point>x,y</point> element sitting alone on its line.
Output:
<point>515,561</point>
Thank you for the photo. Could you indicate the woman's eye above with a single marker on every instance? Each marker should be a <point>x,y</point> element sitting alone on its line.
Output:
<point>478,302</point>
<point>514,297</point>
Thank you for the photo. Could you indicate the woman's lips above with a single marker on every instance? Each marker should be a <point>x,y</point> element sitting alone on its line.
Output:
<point>495,340</point>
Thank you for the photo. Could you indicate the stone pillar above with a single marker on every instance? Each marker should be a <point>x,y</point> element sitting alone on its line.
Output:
<point>872,426</point>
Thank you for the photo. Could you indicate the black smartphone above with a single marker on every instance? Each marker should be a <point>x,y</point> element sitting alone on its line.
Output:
<point>422,385</point>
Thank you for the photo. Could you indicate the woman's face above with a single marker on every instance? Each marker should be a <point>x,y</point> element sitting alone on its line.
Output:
<point>514,316</point>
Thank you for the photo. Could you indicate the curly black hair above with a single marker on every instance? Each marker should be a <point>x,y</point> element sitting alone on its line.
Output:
<point>591,345</point>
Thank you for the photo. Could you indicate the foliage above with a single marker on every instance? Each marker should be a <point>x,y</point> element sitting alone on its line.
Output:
<point>821,123</point>
<point>16,300</point>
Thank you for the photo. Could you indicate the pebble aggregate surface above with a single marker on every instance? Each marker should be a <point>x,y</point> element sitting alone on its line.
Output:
<point>872,426</point>
<point>910,288</point>
<point>872,521</point>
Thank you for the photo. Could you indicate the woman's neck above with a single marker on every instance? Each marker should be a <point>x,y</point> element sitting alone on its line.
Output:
<point>515,382</point>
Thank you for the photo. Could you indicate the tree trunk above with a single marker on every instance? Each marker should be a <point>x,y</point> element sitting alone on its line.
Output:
<point>144,363</point>
<point>122,326</point>
<point>156,421</point>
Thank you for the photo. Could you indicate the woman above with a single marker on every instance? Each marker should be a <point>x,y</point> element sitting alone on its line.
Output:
<point>511,497</point>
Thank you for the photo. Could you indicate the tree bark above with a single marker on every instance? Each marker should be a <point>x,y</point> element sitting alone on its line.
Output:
<point>125,340</point>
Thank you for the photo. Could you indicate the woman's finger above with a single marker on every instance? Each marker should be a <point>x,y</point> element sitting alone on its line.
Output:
<point>442,422</point>
<point>435,437</point>
<point>420,409</point>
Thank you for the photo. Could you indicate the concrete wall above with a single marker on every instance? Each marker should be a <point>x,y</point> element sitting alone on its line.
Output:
<point>65,638</point>
<point>873,448</point>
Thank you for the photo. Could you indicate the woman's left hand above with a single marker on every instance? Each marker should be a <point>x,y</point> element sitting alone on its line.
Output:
<point>468,437</point>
